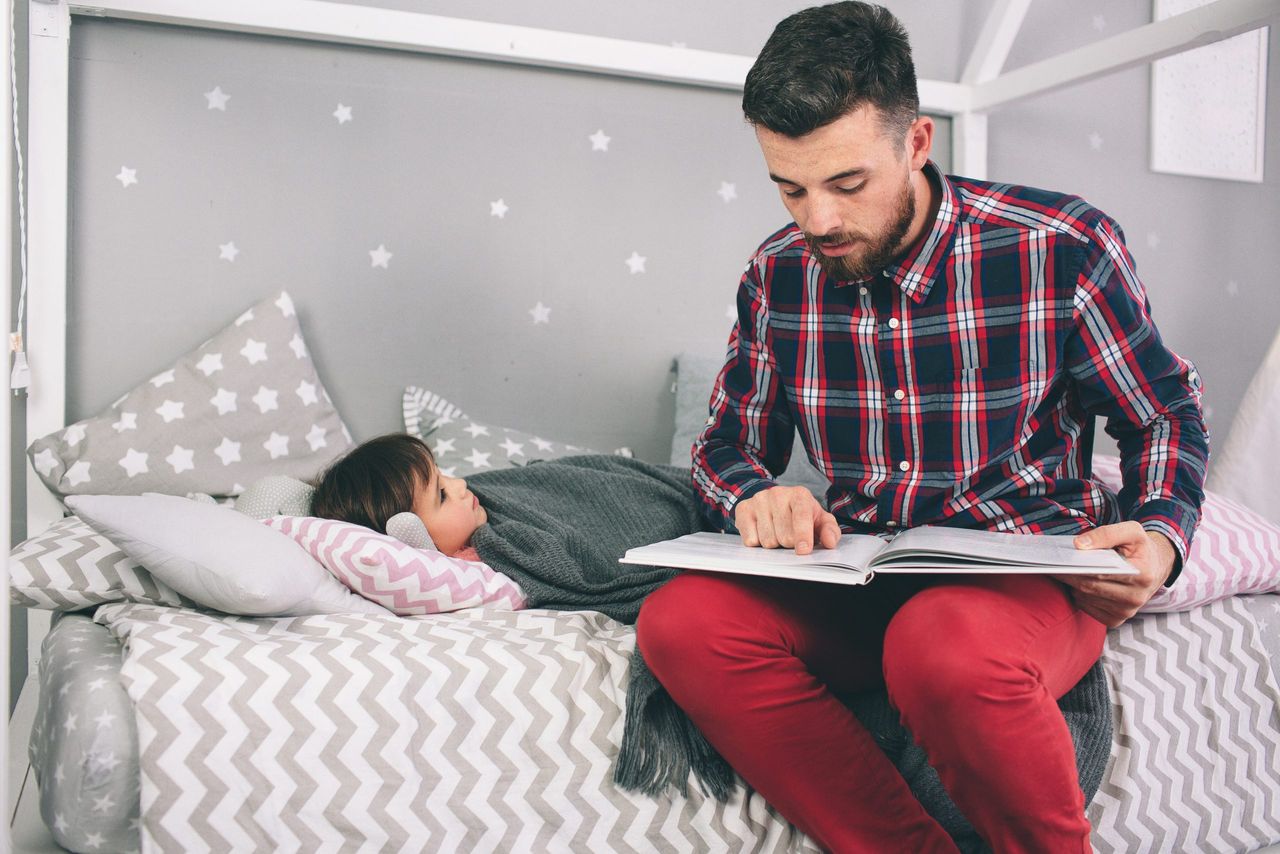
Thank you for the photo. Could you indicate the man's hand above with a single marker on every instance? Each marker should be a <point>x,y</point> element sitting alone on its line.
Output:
<point>787,517</point>
<point>1112,599</point>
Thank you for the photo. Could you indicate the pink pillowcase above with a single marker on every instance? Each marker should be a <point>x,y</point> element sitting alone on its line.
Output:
<point>1234,551</point>
<point>402,579</point>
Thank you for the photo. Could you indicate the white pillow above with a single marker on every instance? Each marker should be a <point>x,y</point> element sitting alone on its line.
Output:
<point>217,557</point>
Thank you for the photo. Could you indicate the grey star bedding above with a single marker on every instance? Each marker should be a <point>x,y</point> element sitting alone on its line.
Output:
<point>487,730</point>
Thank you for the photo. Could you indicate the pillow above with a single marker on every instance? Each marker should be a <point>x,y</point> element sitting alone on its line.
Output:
<point>244,404</point>
<point>1234,550</point>
<point>695,378</point>
<point>70,566</point>
<point>464,447</point>
<point>405,580</point>
<point>217,557</point>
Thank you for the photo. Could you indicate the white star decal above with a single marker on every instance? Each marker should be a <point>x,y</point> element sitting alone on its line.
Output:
<point>128,421</point>
<point>127,176</point>
<point>209,364</point>
<point>228,451</point>
<point>443,446</point>
<point>108,761</point>
<point>315,438</point>
<point>513,448</point>
<point>599,142</point>
<point>225,401</point>
<point>307,393</point>
<point>244,318</point>
<point>343,113</point>
<point>380,256</point>
<point>451,471</point>
<point>540,313</point>
<point>73,434</point>
<point>70,723</point>
<point>543,444</point>
<point>217,99</point>
<point>727,191</point>
<point>277,445</point>
<point>170,410</point>
<point>78,473</point>
<point>476,430</point>
<point>162,379</point>
<point>94,686</point>
<point>498,209</point>
<point>45,462</point>
<point>298,346</point>
<point>477,459</point>
<point>181,459</point>
<point>103,803</point>
<point>60,823</point>
<point>227,251</point>
<point>266,399</point>
<point>134,463</point>
<point>254,351</point>
<point>636,262</point>
<point>1095,141</point>
<point>93,840</point>
<point>285,304</point>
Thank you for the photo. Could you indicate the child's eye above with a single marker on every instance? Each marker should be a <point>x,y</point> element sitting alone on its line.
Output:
<point>441,496</point>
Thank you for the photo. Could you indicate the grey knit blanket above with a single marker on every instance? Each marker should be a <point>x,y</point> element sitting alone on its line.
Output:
<point>558,529</point>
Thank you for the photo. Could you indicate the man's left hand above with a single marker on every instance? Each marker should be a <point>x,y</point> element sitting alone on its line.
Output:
<point>1112,599</point>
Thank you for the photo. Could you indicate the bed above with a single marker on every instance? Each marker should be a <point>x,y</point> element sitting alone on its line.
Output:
<point>162,724</point>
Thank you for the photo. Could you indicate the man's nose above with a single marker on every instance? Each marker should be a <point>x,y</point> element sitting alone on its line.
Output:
<point>824,218</point>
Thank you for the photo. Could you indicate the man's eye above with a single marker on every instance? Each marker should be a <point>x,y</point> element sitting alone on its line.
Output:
<point>793,194</point>
<point>849,191</point>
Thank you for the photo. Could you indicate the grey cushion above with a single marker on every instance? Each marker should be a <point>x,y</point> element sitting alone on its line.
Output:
<point>695,376</point>
<point>244,404</point>
<point>464,447</point>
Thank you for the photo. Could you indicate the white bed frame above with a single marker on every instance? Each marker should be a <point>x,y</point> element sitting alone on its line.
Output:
<point>981,89</point>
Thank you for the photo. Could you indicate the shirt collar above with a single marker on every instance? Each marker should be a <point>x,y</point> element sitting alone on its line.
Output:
<point>915,272</point>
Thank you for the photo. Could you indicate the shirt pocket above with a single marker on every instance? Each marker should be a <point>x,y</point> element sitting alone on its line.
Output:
<point>973,415</point>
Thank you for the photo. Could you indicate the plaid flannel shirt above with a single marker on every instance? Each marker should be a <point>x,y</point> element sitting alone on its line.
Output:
<point>958,386</point>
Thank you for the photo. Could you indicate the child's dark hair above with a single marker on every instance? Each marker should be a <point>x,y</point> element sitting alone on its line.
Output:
<point>374,481</point>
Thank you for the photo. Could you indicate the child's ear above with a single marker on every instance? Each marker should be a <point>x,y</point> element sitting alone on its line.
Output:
<point>409,529</point>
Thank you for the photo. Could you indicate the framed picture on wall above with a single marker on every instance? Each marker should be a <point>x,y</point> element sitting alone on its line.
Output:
<point>1208,105</point>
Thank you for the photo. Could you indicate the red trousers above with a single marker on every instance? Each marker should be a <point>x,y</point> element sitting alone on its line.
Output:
<point>974,664</point>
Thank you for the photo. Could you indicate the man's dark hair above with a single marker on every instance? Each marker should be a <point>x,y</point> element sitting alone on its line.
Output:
<point>374,481</point>
<point>826,61</point>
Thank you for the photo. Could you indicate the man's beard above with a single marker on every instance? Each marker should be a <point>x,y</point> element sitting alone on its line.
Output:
<point>879,252</point>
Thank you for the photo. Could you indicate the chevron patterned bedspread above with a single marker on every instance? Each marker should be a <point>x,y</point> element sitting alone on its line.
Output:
<point>476,731</point>
<point>495,731</point>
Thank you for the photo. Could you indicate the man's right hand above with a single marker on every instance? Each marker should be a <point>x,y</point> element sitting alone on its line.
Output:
<point>785,517</point>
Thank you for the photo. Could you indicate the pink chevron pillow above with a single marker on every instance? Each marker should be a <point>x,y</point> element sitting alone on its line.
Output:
<point>1234,551</point>
<point>402,579</point>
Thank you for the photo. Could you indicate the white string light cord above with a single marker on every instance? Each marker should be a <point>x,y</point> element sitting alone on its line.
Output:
<point>20,376</point>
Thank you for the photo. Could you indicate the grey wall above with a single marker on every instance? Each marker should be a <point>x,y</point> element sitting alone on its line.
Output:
<point>432,144</point>
<point>1206,249</point>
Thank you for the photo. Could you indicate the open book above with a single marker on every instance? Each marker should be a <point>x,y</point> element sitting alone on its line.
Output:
<point>858,557</point>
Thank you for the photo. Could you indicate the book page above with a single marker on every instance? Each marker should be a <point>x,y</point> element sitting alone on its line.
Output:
<point>936,545</point>
<point>709,552</point>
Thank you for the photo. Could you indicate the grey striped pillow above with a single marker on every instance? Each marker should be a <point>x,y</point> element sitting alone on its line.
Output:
<point>70,566</point>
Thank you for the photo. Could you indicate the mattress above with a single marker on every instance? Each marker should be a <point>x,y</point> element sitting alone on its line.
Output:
<point>516,716</point>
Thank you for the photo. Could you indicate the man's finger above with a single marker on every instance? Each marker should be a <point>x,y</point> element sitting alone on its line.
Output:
<point>1111,536</point>
<point>802,524</point>
<point>766,533</point>
<point>745,518</point>
<point>828,530</point>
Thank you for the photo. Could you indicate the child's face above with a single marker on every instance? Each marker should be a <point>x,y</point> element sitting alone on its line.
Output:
<point>449,510</point>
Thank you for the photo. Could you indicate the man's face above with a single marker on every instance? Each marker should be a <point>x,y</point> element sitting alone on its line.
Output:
<point>848,186</point>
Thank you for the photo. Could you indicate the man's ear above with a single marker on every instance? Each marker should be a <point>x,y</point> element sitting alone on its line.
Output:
<point>409,529</point>
<point>919,142</point>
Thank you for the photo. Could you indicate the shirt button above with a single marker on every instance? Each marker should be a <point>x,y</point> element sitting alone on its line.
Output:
<point>891,524</point>
<point>711,420</point>
<point>904,465</point>
<point>886,274</point>
<point>862,290</point>
<point>899,394</point>
<point>893,323</point>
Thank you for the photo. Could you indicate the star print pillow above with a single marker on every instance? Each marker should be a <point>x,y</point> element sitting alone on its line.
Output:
<point>463,446</point>
<point>245,404</point>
